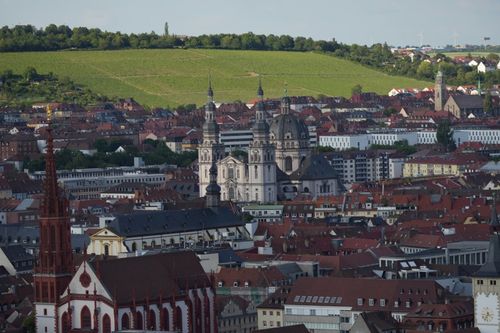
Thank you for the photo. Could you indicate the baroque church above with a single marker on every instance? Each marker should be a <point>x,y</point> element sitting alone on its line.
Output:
<point>279,164</point>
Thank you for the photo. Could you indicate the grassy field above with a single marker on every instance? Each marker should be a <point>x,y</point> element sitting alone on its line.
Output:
<point>173,77</point>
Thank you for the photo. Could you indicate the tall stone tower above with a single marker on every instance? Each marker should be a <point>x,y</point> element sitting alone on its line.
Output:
<point>261,158</point>
<point>210,151</point>
<point>439,92</point>
<point>54,268</point>
<point>486,290</point>
<point>213,189</point>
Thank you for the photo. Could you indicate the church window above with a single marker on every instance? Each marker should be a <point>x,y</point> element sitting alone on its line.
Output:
<point>152,320</point>
<point>231,193</point>
<point>166,321</point>
<point>230,173</point>
<point>268,172</point>
<point>140,322</point>
<point>256,196</point>
<point>106,249</point>
<point>288,163</point>
<point>256,172</point>
<point>106,324</point>
<point>65,322</point>
<point>85,319</point>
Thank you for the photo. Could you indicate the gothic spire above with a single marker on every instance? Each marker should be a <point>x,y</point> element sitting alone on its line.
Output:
<point>53,203</point>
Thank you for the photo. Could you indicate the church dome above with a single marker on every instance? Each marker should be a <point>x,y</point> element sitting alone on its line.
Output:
<point>288,127</point>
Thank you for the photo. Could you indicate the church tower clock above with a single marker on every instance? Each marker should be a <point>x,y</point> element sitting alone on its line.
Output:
<point>486,290</point>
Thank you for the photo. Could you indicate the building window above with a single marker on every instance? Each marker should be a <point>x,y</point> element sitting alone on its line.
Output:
<point>382,302</point>
<point>288,163</point>
<point>312,312</point>
<point>493,282</point>
<point>264,312</point>
<point>371,302</point>
<point>360,301</point>
<point>264,323</point>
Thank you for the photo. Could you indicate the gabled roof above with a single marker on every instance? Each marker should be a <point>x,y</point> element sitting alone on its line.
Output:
<point>172,221</point>
<point>468,101</point>
<point>315,167</point>
<point>165,274</point>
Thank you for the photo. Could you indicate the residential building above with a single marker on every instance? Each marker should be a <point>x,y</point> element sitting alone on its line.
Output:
<point>333,304</point>
<point>235,314</point>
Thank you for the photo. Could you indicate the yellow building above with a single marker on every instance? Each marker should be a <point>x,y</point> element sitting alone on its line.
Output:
<point>270,312</point>
<point>106,242</point>
<point>446,165</point>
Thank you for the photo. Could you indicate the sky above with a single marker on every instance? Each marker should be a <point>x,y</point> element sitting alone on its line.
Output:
<point>397,22</point>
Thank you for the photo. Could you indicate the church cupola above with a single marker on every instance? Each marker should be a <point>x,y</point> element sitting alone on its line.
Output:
<point>213,189</point>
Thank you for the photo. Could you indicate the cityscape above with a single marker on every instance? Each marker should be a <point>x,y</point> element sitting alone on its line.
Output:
<point>204,178</point>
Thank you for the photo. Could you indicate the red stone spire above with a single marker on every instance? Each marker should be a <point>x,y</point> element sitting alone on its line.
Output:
<point>54,268</point>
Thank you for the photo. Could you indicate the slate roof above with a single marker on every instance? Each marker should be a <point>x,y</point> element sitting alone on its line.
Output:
<point>165,274</point>
<point>314,168</point>
<point>174,221</point>
<point>492,266</point>
<point>16,253</point>
<point>468,101</point>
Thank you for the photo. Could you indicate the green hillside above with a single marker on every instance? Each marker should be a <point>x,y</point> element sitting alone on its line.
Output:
<point>172,77</point>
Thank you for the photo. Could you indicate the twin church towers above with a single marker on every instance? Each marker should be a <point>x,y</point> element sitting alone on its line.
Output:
<point>279,146</point>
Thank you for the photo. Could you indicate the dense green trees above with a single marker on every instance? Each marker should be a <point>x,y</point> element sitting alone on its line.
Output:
<point>444,135</point>
<point>156,152</point>
<point>24,90</point>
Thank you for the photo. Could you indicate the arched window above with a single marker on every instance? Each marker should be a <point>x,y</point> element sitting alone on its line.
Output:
<point>106,249</point>
<point>256,172</point>
<point>231,193</point>
<point>288,163</point>
<point>134,247</point>
<point>125,322</point>
<point>166,320</point>
<point>85,319</point>
<point>178,318</point>
<point>106,324</point>
<point>65,323</point>
<point>152,320</point>
<point>139,321</point>
<point>306,189</point>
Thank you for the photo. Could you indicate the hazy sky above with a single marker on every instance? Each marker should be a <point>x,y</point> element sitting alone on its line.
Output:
<point>397,22</point>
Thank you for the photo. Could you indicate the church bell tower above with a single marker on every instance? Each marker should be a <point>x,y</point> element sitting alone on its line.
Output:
<point>211,150</point>
<point>54,268</point>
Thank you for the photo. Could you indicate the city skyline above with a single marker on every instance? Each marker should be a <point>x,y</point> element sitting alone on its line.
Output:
<point>363,22</point>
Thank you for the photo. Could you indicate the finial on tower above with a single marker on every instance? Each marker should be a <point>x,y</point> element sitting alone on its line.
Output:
<point>260,92</point>
<point>210,91</point>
